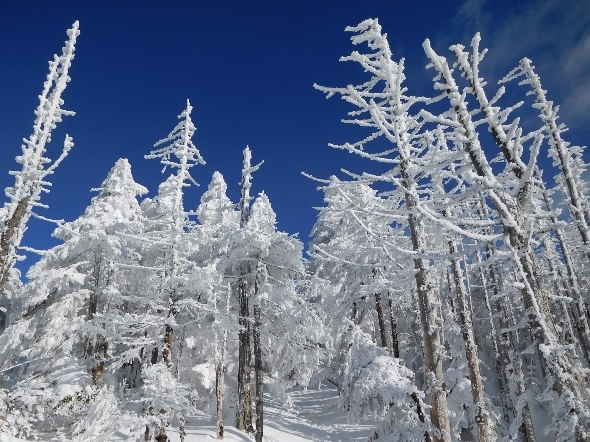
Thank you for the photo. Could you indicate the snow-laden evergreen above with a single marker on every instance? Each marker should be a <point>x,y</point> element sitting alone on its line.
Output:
<point>67,313</point>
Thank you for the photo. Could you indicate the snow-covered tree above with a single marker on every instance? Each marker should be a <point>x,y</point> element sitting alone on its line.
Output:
<point>218,219</point>
<point>352,247</point>
<point>31,180</point>
<point>510,198</point>
<point>61,335</point>
<point>382,105</point>
<point>169,223</point>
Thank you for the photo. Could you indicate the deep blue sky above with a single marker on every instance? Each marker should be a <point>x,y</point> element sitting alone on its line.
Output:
<point>248,69</point>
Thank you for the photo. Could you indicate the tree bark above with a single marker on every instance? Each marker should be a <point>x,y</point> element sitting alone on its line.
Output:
<point>427,306</point>
<point>420,413</point>
<point>394,338</point>
<point>219,384</point>
<point>385,341</point>
<point>495,336</point>
<point>220,376</point>
<point>162,436</point>
<point>508,342</point>
<point>566,382</point>
<point>244,411</point>
<point>480,412</point>
<point>244,417</point>
<point>97,345</point>
<point>258,368</point>
<point>8,240</point>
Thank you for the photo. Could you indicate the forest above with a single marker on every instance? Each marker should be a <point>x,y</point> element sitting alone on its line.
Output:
<point>443,292</point>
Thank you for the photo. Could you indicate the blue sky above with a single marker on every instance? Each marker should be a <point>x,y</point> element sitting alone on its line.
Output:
<point>248,69</point>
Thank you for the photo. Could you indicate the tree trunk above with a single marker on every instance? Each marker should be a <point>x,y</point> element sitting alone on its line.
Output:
<point>220,376</point>
<point>182,430</point>
<point>97,345</point>
<point>560,307</point>
<point>169,333</point>
<point>504,395</point>
<point>219,386</point>
<point>579,305</point>
<point>385,341</point>
<point>565,380</point>
<point>258,368</point>
<point>420,413</point>
<point>9,240</point>
<point>244,411</point>
<point>393,322</point>
<point>162,436</point>
<point>244,416</point>
<point>260,271</point>
<point>169,342</point>
<point>480,413</point>
<point>508,342</point>
<point>427,302</point>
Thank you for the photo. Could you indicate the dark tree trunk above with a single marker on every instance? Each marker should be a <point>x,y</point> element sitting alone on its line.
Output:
<point>219,384</point>
<point>244,412</point>
<point>169,334</point>
<point>244,416</point>
<point>97,345</point>
<point>420,413</point>
<point>259,378</point>
<point>393,322</point>
<point>182,430</point>
<point>162,436</point>
<point>8,247</point>
<point>385,341</point>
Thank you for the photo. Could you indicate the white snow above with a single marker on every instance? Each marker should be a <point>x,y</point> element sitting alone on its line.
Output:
<point>314,417</point>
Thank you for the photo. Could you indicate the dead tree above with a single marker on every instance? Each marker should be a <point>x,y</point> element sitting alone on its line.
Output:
<point>244,409</point>
<point>31,181</point>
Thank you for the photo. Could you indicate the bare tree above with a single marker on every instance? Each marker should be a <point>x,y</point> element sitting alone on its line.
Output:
<point>31,181</point>
<point>386,112</point>
<point>244,409</point>
<point>566,380</point>
<point>466,322</point>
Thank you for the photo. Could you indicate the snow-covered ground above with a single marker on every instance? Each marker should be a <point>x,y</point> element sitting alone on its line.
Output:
<point>314,417</point>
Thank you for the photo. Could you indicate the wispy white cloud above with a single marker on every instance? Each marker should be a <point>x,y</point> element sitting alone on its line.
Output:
<point>555,34</point>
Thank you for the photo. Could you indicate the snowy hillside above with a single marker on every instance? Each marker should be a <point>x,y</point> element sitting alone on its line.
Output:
<point>313,417</point>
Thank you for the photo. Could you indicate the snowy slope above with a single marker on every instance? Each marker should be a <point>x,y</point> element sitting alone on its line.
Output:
<point>315,416</point>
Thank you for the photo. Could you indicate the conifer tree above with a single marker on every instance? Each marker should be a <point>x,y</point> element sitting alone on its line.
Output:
<point>64,329</point>
<point>218,219</point>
